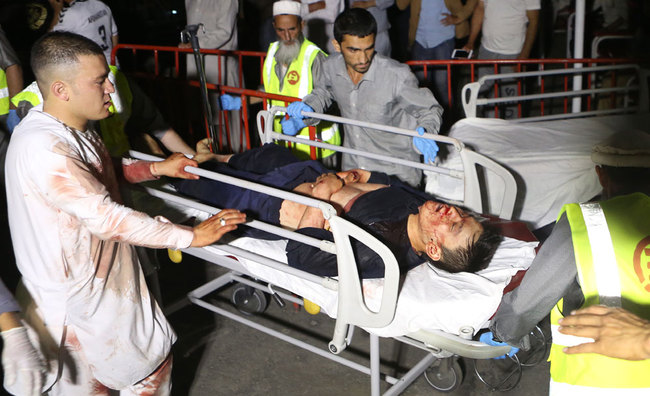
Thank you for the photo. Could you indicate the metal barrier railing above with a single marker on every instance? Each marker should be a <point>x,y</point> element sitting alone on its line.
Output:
<point>159,63</point>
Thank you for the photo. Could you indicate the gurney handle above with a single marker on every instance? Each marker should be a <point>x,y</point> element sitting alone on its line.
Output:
<point>400,131</point>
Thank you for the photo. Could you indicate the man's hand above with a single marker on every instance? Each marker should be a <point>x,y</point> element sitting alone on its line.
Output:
<point>204,154</point>
<point>616,332</point>
<point>295,110</point>
<point>184,45</point>
<point>229,102</point>
<point>427,147</point>
<point>23,368</point>
<point>174,166</point>
<point>292,126</point>
<point>488,338</point>
<point>449,19</point>
<point>211,230</point>
<point>355,176</point>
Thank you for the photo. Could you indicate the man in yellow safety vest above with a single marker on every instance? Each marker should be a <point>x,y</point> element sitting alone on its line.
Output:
<point>597,254</point>
<point>292,65</point>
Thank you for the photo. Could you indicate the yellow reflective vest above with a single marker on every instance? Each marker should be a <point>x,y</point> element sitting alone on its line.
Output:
<point>611,242</point>
<point>4,93</point>
<point>112,127</point>
<point>298,82</point>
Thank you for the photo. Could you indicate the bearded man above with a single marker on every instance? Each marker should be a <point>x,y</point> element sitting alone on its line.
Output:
<point>292,65</point>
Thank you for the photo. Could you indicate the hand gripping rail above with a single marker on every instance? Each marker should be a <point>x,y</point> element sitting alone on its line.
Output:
<point>470,159</point>
<point>352,309</point>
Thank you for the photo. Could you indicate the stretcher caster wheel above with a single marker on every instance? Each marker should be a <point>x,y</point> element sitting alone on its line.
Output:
<point>249,300</point>
<point>444,375</point>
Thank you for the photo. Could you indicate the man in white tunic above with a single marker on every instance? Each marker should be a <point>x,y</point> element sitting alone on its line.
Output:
<point>73,239</point>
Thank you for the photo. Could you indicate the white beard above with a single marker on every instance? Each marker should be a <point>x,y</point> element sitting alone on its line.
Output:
<point>287,53</point>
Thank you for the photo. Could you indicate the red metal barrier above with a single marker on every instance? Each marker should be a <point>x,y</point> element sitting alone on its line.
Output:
<point>518,65</point>
<point>137,61</point>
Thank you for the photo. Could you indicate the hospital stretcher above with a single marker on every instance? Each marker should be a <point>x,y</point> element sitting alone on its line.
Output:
<point>549,155</point>
<point>427,308</point>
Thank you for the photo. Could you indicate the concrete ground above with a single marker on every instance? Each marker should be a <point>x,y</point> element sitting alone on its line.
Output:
<point>215,355</point>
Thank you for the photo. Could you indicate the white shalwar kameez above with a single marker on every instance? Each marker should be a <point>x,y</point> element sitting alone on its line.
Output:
<point>72,242</point>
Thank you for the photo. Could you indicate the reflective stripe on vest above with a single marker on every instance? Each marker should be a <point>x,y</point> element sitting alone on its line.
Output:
<point>325,131</point>
<point>608,282</point>
<point>4,93</point>
<point>619,231</point>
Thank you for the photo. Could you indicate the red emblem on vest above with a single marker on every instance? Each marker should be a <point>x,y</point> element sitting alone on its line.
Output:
<point>642,262</point>
<point>293,77</point>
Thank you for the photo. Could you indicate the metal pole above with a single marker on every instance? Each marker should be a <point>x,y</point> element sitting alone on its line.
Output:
<point>578,52</point>
<point>191,30</point>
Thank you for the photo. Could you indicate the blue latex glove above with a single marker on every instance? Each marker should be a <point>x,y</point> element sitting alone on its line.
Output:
<point>12,120</point>
<point>488,338</point>
<point>426,147</point>
<point>229,102</point>
<point>292,126</point>
<point>295,110</point>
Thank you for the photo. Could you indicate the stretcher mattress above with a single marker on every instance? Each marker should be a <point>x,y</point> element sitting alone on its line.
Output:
<point>550,160</point>
<point>429,299</point>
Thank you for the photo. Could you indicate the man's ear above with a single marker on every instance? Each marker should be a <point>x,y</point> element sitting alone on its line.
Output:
<point>60,89</point>
<point>336,45</point>
<point>433,250</point>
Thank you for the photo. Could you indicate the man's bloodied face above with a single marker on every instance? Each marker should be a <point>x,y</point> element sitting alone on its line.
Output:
<point>447,226</point>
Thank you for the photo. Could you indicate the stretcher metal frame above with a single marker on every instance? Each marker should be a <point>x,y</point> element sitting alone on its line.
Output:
<point>352,310</point>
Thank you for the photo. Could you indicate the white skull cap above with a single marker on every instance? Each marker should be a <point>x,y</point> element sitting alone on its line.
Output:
<point>286,7</point>
<point>624,149</point>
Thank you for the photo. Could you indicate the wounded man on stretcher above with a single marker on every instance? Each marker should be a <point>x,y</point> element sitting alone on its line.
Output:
<point>409,222</point>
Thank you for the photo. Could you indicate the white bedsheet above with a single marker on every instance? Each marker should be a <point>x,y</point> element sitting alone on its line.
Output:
<point>429,299</point>
<point>550,160</point>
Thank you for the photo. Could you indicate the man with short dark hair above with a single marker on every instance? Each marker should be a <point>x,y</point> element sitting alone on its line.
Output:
<point>377,89</point>
<point>73,239</point>
<point>415,227</point>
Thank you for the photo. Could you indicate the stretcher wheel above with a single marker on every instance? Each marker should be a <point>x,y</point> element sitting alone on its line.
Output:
<point>444,376</point>
<point>249,300</point>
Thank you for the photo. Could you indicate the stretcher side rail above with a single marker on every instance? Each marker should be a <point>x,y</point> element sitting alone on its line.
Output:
<point>352,308</point>
<point>469,158</point>
<point>470,92</point>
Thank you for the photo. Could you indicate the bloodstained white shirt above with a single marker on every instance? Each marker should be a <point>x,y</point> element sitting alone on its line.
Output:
<point>73,246</point>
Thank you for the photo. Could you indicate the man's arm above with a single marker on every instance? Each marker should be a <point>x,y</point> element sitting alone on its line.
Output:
<point>318,262</point>
<point>402,4</point>
<point>174,143</point>
<point>320,98</point>
<point>466,10</point>
<point>475,25</point>
<point>531,33</point>
<point>419,102</point>
<point>57,6</point>
<point>550,277</point>
<point>14,75</point>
